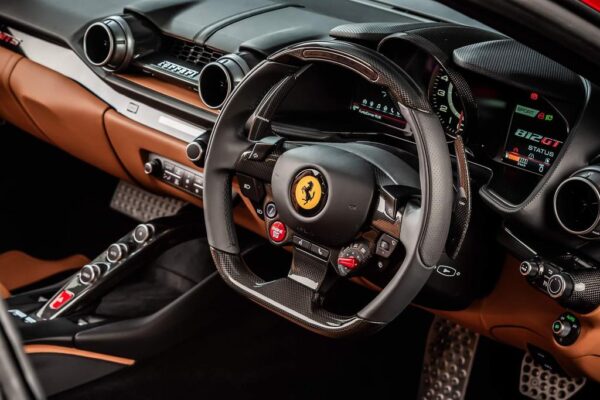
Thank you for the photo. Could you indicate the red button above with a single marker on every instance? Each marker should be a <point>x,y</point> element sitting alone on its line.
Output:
<point>348,262</point>
<point>277,231</point>
<point>63,298</point>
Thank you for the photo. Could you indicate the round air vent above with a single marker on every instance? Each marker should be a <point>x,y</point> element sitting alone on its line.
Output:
<point>113,42</point>
<point>218,78</point>
<point>109,43</point>
<point>577,202</point>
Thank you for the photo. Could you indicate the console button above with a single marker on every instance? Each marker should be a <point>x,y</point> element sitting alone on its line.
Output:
<point>142,233</point>
<point>277,232</point>
<point>61,299</point>
<point>116,252</point>
<point>188,181</point>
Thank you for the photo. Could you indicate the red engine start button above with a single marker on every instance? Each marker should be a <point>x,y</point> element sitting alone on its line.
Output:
<point>277,231</point>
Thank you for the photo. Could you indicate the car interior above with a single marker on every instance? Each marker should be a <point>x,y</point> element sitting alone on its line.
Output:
<point>299,199</point>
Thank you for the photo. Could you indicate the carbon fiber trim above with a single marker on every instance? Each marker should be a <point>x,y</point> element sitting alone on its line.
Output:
<point>308,270</point>
<point>259,169</point>
<point>586,290</point>
<point>373,31</point>
<point>515,64</point>
<point>364,62</point>
<point>288,298</point>
<point>415,38</point>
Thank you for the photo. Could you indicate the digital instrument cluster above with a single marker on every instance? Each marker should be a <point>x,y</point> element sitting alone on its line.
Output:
<point>375,103</point>
<point>536,134</point>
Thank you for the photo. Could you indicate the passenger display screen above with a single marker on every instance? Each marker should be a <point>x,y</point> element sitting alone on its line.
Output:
<point>376,104</point>
<point>535,136</point>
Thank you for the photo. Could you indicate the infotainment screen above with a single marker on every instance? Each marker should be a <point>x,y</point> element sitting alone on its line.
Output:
<point>375,103</point>
<point>535,136</point>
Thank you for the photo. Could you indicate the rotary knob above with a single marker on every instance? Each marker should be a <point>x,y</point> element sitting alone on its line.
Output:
<point>531,269</point>
<point>353,257</point>
<point>153,167</point>
<point>561,329</point>
<point>559,286</point>
<point>116,252</point>
<point>566,329</point>
<point>143,233</point>
<point>90,274</point>
<point>196,149</point>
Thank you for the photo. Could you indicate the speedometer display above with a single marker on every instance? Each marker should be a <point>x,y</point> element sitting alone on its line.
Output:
<point>446,102</point>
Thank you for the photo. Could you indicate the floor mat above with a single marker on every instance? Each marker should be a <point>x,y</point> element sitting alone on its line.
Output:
<point>254,354</point>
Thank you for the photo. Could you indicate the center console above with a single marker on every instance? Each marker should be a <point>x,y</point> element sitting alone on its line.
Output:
<point>128,304</point>
<point>104,268</point>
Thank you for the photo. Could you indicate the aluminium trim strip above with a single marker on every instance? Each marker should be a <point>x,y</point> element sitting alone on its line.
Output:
<point>66,62</point>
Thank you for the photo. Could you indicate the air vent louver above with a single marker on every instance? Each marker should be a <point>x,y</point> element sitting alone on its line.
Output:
<point>191,52</point>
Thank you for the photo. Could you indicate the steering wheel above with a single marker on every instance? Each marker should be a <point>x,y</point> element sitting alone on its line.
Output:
<point>336,203</point>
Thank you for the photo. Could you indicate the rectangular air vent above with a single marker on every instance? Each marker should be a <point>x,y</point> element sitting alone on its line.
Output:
<point>191,52</point>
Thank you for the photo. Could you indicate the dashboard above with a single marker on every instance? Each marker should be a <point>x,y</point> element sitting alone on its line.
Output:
<point>148,82</point>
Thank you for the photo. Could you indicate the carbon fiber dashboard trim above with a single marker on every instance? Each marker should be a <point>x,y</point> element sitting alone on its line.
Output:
<point>374,31</point>
<point>515,64</point>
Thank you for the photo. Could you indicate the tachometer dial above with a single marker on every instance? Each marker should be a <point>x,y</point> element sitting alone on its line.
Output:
<point>446,102</point>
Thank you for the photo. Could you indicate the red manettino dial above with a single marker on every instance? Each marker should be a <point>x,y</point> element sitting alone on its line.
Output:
<point>348,262</point>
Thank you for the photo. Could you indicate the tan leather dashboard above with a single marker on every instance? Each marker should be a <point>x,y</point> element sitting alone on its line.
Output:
<point>169,89</point>
<point>58,110</point>
<point>517,314</point>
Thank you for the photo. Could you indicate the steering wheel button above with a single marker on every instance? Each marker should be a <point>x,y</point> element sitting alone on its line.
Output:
<point>277,232</point>
<point>260,151</point>
<point>319,251</point>
<point>251,188</point>
<point>302,243</point>
<point>271,210</point>
<point>386,245</point>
